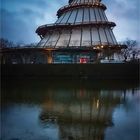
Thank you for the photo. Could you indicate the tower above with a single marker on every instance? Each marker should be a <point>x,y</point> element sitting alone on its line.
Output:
<point>82,26</point>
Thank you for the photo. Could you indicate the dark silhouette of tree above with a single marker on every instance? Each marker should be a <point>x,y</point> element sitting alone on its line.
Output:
<point>4,43</point>
<point>131,50</point>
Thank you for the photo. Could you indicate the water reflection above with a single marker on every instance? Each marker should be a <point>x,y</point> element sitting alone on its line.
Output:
<point>70,110</point>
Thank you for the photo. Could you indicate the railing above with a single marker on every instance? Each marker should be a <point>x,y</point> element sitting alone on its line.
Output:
<point>47,26</point>
<point>95,47</point>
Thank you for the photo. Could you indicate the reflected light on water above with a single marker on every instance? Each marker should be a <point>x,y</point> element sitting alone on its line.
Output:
<point>70,110</point>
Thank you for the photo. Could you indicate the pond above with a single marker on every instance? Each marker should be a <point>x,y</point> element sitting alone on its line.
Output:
<point>40,109</point>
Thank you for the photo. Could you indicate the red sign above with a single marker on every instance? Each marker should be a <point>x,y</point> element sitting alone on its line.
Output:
<point>83,60</point>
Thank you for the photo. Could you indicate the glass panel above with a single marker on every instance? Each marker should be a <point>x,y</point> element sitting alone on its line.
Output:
<point>53,39</point>
<point>79,15</point>
<point>78,1</point>
<point>113,37</point>
<point>92,15</point>
<point>101,14</point>
<point>103,36</point>
<point>60,18</point>
<point>75,37</point>
<point>97,15</point>
<point>86,1</point>
<point>105,16</point>
<point>86,39</point>
<point>95,36</point>
<point>64,20</point>
<point>64,39</point>
<point>44,40</point>
<point>86,15</point>
<point>73,2</point>
<point>82,1</point>
<point>108,35</point>
<point>72,17</point>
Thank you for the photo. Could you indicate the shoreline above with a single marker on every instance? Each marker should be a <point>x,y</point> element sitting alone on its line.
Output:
<point>126,71</point>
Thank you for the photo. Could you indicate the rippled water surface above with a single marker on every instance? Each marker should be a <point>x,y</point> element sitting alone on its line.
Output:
<point>39,109</point>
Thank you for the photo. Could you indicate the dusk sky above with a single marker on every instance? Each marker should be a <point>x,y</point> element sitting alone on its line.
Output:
<point>20,18</point>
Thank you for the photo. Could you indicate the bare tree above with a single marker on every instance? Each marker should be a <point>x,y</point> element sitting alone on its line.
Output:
<point>131,51</point>
<point>4,43</point>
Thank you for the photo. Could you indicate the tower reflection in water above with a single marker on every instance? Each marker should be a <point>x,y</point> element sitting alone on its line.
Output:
<point>70,110</point>
<point>80,114</point>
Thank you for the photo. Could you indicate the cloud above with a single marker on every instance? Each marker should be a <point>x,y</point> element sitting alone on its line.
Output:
<point>20,19</point>
<point>126,15</point>
<point>17,29</point>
